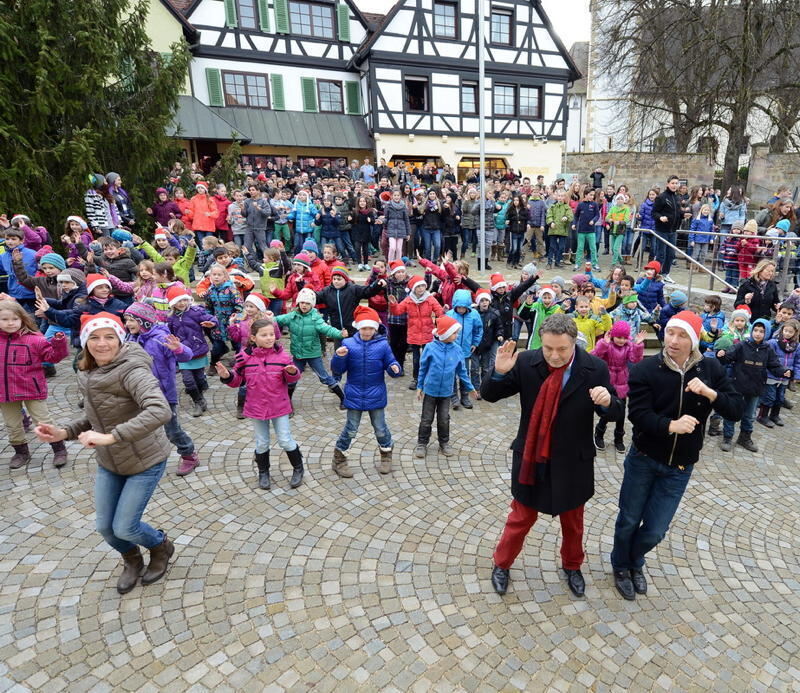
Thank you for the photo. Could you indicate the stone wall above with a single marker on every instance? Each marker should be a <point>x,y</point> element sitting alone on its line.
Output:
<point>640,171</point>
<point>769,171</point>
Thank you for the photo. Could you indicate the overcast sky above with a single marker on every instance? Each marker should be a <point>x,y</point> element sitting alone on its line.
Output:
<point>570,19</point>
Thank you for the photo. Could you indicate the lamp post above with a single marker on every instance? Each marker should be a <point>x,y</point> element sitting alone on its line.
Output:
<point>481,135</point>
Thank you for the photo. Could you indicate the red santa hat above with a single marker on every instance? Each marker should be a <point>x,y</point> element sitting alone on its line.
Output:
<point>396,265</point>
<point>446,326</point>
<point>497,281</point>
<point>95,280</point>
<point>201,186</point>
<point>415,281</point>
<point>480,294</point>
<point>90,323</point>
<point>363,316</point>
<point>689,322</point>
<point>547,290</point>
<point>258,300</point>
<point>175,294</point>
<point>160,232</point>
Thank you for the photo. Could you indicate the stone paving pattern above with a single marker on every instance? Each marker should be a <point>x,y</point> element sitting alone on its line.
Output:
<point>382,582</point>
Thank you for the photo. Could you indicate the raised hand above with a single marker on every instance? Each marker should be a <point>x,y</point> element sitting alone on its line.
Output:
<point>173,343</point>
<point>641,337</point>
<point>222,370</point>
<point>506,357</point>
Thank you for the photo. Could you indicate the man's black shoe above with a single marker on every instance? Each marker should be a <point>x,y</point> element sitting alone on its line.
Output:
<point>500,579</point>
<point>575,582</point>
<point>639,581</point>
<point>624,584</point>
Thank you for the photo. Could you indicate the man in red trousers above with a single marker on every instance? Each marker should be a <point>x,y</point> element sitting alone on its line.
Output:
<point>561,387</point>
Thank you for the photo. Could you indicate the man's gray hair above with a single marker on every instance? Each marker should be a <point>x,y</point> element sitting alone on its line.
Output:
<point>560,324</point>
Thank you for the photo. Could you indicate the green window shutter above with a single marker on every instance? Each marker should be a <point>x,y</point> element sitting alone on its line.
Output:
<point>263,16</point>
<point>343,17</point>
<point>278,102</point>
<point>353,95</point>
<point>214,81</point>
<point>309,88</point>
<point>230,14</point>
<point>281,16</point>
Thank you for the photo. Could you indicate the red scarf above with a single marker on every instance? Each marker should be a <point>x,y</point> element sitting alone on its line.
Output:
<point>537,440</point>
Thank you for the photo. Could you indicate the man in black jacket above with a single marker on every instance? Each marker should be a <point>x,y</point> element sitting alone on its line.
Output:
<point>671,395</point>
<point>668,214</point>
<point>560,388</point>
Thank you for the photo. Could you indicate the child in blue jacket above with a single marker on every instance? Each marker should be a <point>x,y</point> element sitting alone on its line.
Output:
<point>784,344</point>
<point>469,337</point>
<point>364,357</point>
<point>702,227</point>
<point>441,360</point>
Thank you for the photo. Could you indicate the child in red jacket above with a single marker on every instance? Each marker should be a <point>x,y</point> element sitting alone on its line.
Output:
<point>23,350</point>
<point>301,278</point>
<point>421,309</point>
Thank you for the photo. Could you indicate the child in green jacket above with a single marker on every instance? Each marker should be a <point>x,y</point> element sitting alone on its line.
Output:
<point>559,218</point>
<point>617,219</point>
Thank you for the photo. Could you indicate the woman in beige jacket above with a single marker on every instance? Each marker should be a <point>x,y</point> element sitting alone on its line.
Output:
<point>124,416</point>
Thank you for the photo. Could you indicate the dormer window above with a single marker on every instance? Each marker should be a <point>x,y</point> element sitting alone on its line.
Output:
<point>312,19</point>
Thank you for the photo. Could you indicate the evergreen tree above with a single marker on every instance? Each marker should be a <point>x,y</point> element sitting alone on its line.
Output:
<point>83,91</point>
<point>227,169</point>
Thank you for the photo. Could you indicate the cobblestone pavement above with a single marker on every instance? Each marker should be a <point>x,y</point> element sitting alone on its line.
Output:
<point>382,582</point>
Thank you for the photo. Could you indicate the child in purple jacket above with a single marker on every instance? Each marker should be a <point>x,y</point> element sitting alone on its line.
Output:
<point>188,323</point>
<point>267,370</point>
<point>141,321</point>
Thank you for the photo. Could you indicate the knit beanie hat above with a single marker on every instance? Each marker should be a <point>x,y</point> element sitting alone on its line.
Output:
<point>678,298</point>
<point>201,186</point>
<point>739,224</point>
<point>144,314</point>
<point>275,243</point>
<point>630,298</point>
<point>121,235</point>
<point>446,326</point>
<point>654,265</point>
<point>81,221</point>
<point>784,225</point>
<point>497,281</point>
<point>175,294</point>
<point>302,259</point>
<point>311,245</point>
<point>557,280</point>
<point>689,322</point>
<point>547,290</point>
<point>363,316</point>
<point>415,281</point>
<point>530,269</point>
<point>620,329</point>
<point>90,323</point>
<point>340,271</point>
<point>396,265</point>
<point>307,295</point>
<point>482,294</point>
<point>258,300</point>
<point>53,259</point>
<point>742,311</point>
<point>579,279</point>
<point>95,280</point>
<point>159,191</point>
<point>65,277</point>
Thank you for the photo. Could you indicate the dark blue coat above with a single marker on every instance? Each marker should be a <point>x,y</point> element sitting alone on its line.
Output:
<point>364,364</point>
<point>71,317</point>
<point>651,293</point>
<point>186,327</point>
<point>329,225</point>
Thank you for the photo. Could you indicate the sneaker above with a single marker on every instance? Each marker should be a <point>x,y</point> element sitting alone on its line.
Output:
<point>412,385</point>
<point>619,446</point>
<point>667,279</point>
<point>726,445</point>
<point>446,450</point>
<point>187,464</point>
<point>420,451</point>
<point>599,443</point>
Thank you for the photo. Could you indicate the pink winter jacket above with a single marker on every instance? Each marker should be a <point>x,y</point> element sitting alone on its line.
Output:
<point>263,372</point>
<point>617,358</point>
<point>21,358</point>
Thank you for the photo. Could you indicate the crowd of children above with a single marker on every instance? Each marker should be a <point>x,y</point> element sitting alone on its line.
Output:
<point>224,308</point>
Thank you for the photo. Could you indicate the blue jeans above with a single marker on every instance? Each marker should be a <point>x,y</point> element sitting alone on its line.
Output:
<point>650,495</point>
<point>348,245</point>
<point>664,254</point>
<point>283,432</point>
<point>177,436</point>
<point>732,275</point>
<point>119,504</point>
<point>748,416</point>
<point>377,418</point>
<point>318,367</point>
<point>432,243</point>
<point>556,250</point>
<point>515,247</point>
<point>773,394</point>
<point>299,239</point>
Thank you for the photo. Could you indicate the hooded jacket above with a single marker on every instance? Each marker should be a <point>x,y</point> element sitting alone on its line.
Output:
<point>186,327</point>
<point>262,370</point>
<point>471,332</point>
<point>21,358</point>
<point>398,223</point>
<point>15,289</point>
<point>657,395</point>
<point>420,316</point>
<point>538,313</point>
<point>752,361</point>
<point>164,359</point>
<point>789,357</point>
<point>617,359</point>
<point>365,364</point>
<point>440,361</point>
<point>651,293</point>
<point>123,398</point>
<point>162,212</point>
<point>305,329</point>
<point>204,213</point>
<point>303,214</point>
